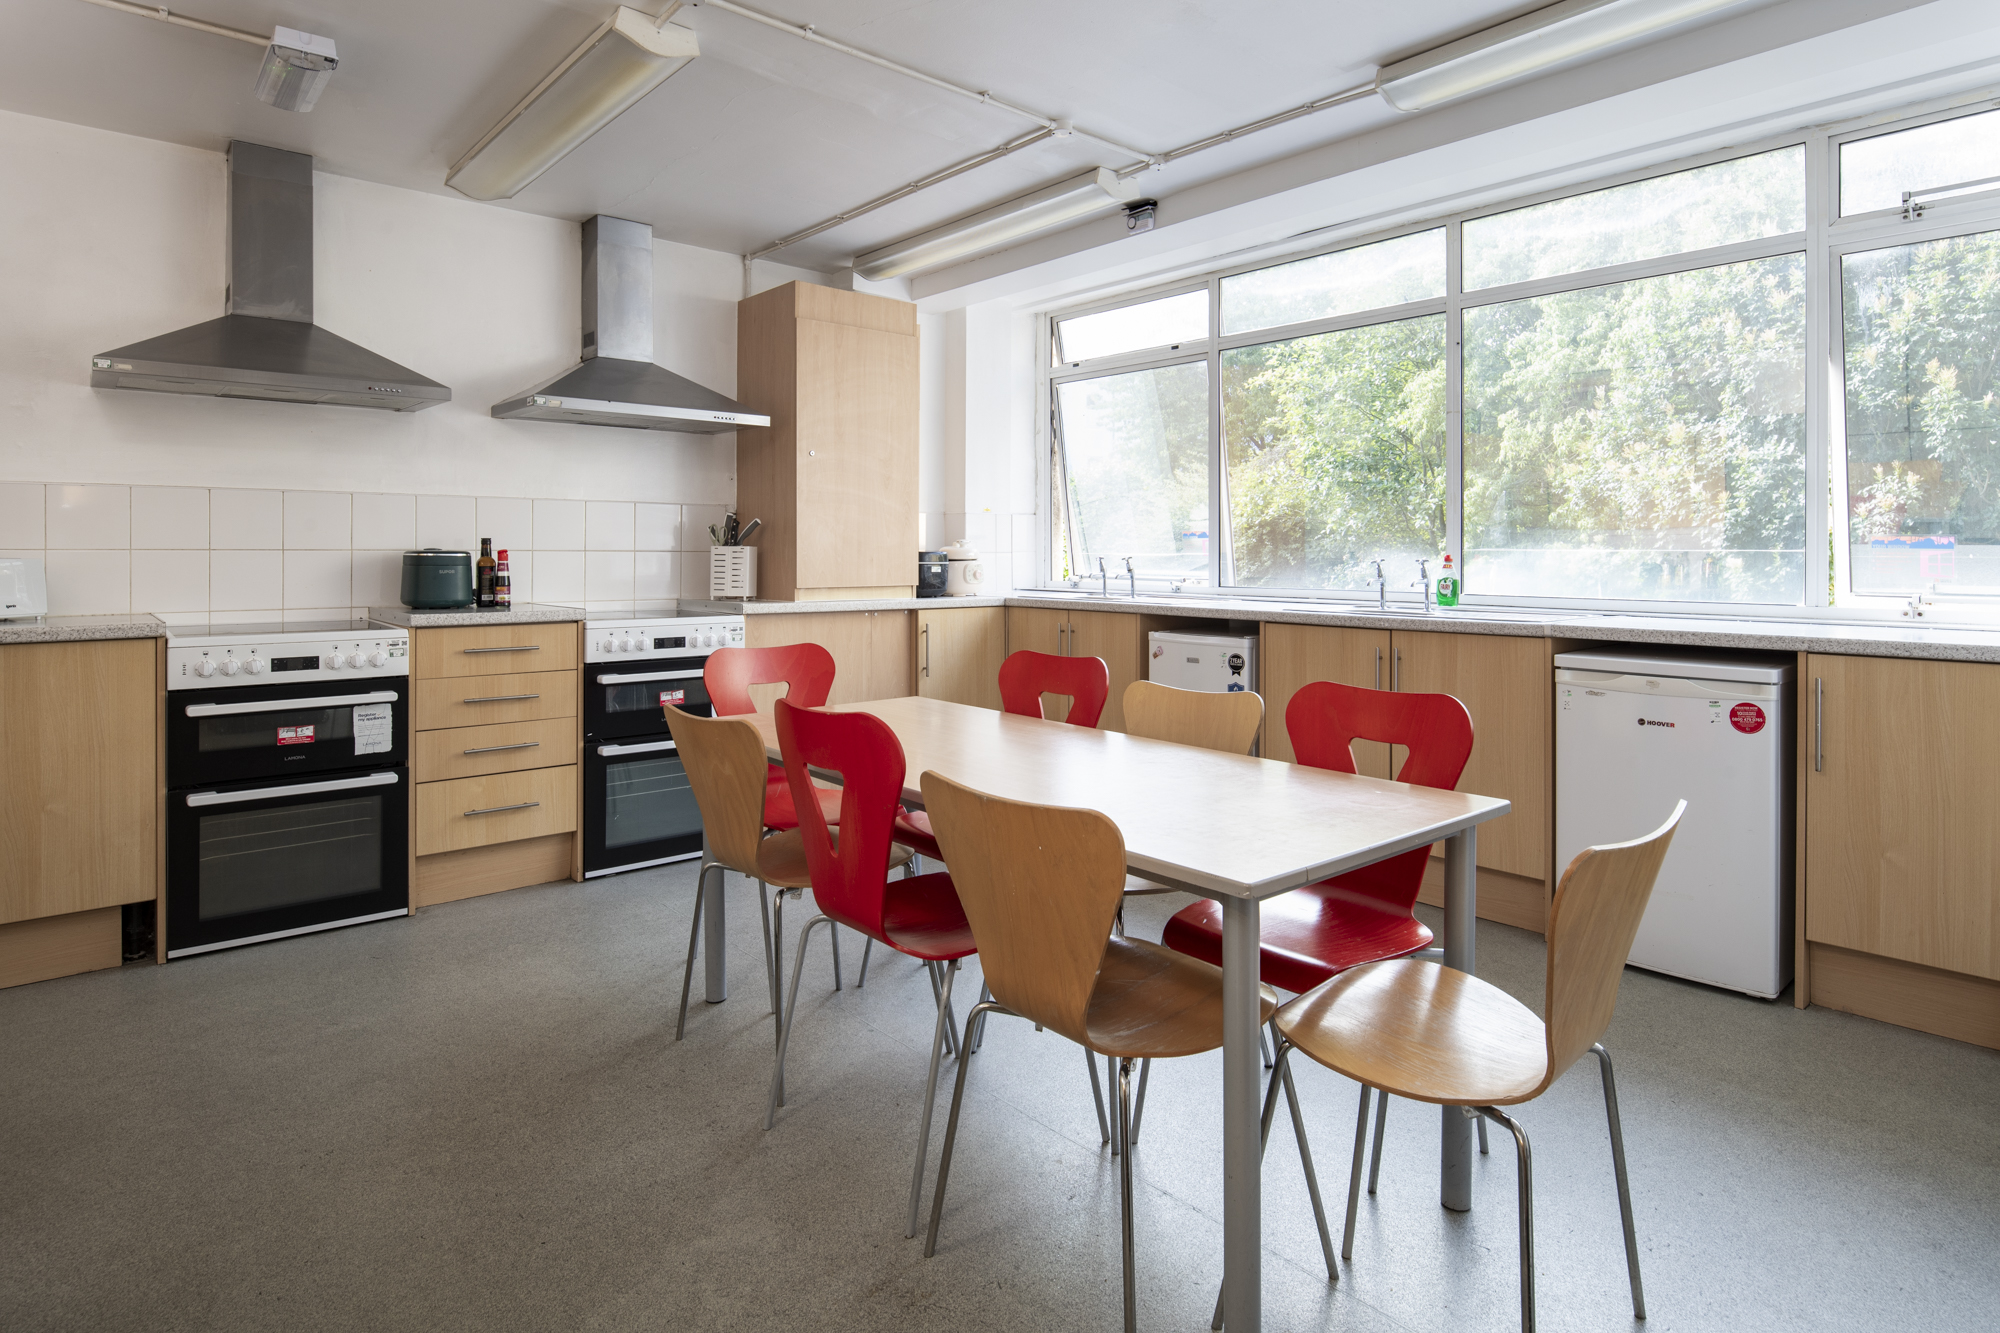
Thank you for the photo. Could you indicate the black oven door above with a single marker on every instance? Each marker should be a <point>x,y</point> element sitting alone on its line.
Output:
<point>254,861</point>
<point>638,807</point>
<point>623,700</point>
<point>282,731</point>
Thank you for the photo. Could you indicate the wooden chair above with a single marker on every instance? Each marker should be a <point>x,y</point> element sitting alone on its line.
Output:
<point>1039,886</point>
<point>1435,1034</point>
<point>1208,720</point>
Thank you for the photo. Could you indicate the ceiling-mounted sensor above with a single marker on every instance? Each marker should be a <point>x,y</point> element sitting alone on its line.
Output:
<point>1139,214</point>
<point>296,68</point>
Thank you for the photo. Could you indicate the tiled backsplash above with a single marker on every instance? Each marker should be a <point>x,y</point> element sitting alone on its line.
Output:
<point>185,553</point>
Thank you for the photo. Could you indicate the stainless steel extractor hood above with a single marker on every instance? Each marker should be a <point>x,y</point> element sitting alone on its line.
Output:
<point>267,345</point>
<point>616,383</point>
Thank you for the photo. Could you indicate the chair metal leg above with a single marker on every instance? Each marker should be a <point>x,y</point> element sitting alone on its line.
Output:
<point>1481,1122</point>
<point>1284,1071</point>
<point>1139,1102</point>
<point>979,1033</point>
<point>930,1097</point>
<point>834,933</point>
<point>1624,1185</point>
<point>1375,1155</point>
<point>866,949</point>
<point>1118,1126</point>
<point>694,938</point>
<point>785,1031</point>
<point>1264,1045</point>
<point>1097,1096</point>
<point>770,959</point>
<point>1354,1175</point>
<point>979,1011</point>
<point>1125,1192</point>
<point>1507,1122</point>
<point>936,973</point>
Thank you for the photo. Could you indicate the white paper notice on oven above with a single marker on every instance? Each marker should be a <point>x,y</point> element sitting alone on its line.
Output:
<point>374,729</point>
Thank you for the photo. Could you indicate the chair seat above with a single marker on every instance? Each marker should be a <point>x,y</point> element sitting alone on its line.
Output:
<point>1308,936</point>
<point>1422,1031</point>
<point>1152,1003</point>
<point>922,917</point>
<point>781,813</point>
<point>781,859</point>
<point>913,830</point>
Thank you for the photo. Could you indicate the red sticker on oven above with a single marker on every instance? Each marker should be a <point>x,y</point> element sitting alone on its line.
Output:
<point>673,697</point>
<point>295,736</point>
<point>1747,718</point>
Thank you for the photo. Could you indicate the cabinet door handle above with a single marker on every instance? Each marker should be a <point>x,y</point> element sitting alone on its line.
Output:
<point>1819,725</point>
<point>521,648</point>
<point>927,652</point>
<point>496,809</point>
<point>500,698</point>
<point>518,745</point>
<point>1378,668</point>
<point>1396,672</point>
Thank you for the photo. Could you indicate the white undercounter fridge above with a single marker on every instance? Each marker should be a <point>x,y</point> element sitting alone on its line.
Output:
<point>1637,731</point>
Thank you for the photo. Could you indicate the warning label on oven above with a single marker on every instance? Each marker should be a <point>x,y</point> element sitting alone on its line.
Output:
<point>374,729</point>
<point>673,697</point>
<point>295,736</point>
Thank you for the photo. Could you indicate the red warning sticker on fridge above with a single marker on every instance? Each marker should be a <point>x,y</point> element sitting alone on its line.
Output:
<point>1747,718</point>
<point>295,736</point>
<point>673,697</point>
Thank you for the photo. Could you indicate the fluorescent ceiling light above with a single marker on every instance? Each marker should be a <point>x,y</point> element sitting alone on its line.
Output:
<point>626,58</point>
<point>1548,39</point>
<point>295,70</point>
<point>1057,205</point>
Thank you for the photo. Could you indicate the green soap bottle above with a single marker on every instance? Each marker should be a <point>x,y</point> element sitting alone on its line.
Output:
<point>1447,585</point>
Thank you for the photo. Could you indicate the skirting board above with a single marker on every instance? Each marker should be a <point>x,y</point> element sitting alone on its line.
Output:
<point>445,877</point>
<point>1512,900</point>
<point>61,946</point>
<point>1949,1004</point>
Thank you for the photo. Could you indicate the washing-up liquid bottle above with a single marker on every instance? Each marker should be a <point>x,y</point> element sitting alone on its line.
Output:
<point>1447,586</point>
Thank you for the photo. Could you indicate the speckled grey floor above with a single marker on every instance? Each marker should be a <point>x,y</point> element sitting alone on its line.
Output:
<point>480,1119</point>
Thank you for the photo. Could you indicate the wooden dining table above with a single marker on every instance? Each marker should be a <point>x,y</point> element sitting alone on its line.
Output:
<point>1230,827</point>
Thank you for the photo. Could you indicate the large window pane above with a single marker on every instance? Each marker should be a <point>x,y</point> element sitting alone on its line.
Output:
<point>1640,440</point>
<point>1392,272</point>
<point>1136,449</point>
<point>1874,173</point>
<point>1923,425</point>
<point>1133,328</point>
<point>1336,454</point>
<point>1744,199</point>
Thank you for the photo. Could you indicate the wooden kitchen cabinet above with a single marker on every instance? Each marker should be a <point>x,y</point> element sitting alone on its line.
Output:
<point>834,476</point>
<point>873,651</point>
<point>1292,656</point>
<point>959,651</point>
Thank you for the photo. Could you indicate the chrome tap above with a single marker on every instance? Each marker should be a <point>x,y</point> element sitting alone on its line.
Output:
<point>1424,570</point>
<point>1103,579</point>
<point>1381,586</point>
<point>1132,578</point>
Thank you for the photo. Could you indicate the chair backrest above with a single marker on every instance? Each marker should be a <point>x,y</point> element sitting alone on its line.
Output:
<point>1040,886</point>
<point>1209,719</point>
<point>1324,719</point>
<point>1026,676</point>
<point>805,669</point>
<point>1591,925</point>
<point>848,879</point>
<point>725,763</point>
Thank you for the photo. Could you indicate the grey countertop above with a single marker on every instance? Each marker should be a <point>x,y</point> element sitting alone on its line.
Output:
<point>701,608</point>
<point>80,629</point>
<point>528,613</point>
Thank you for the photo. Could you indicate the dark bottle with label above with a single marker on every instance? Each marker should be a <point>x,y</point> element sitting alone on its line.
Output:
<point>503,584</point>
<point>484,574</point>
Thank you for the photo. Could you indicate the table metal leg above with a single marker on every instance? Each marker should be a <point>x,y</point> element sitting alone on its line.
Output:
<point>1242,1202</point>
<point>1461,900</point>
<point>714,955</point>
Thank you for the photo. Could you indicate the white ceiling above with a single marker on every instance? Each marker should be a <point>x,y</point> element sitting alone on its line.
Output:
<point>765,134</point>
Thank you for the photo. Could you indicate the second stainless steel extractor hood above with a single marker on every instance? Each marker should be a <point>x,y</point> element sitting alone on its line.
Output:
<point>267,346</point>
<point>616,383</point>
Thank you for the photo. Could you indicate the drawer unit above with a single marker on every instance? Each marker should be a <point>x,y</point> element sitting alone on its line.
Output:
<point>501,807</point>
<point>503,747</point>
<point>474,701</point>
<point>495,650</point>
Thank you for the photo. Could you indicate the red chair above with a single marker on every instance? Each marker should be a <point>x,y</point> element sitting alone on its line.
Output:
<point>806,672</point>
<point>1024,678</point>
<point>919,916</point>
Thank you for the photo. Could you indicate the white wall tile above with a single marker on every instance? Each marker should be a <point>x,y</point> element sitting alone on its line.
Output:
<point>89,518</point>
<point>23,518</point>
<point>449,522</point>
<point>657,528</point>
<point>607,609</point>
<point>608,525</point>
<point>170,518</point>
<point>1023,535</point>
<point>695,520</point>
<point>319,521</point>
<point>384,521</point>
<point>378,578</point>
<point>318,578</point>
<point>607,576</point>
<point>559,526</point>
<point>246,580</point>
<point>558,576</point>
<point>656,576</point>
<point>694,574</point>
<point>89,583</point>
<point>1025,569</point>
<point>169,580</point>
<point>298,615</point>
<point>510,523</point>
<point>246,521</point>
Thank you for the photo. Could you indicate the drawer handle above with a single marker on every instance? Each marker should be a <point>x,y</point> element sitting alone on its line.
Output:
<point>520,648</point>
<point>500,698</point>
<point>518,745</point>
<point>496,809</point>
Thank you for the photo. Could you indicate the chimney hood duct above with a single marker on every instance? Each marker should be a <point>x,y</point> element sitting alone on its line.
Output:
<point>616,383</point>
<point>267,345</point>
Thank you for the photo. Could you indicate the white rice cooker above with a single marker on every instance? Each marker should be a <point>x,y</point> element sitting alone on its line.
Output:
<point>965,575</point>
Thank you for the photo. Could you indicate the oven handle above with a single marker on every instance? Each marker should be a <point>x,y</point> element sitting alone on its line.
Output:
<point>286,705</point>
<point>626,679</point>
<point>648,748</point>
<point>198,798</point>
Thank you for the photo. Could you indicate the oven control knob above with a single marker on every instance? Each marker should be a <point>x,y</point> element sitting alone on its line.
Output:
<point>255,666</point>
<point>230,666</point>
<point>357,660</point>
<point>334,662</point>
<point>204,668</point>
<point>378,658</point>
<point>624,645</point>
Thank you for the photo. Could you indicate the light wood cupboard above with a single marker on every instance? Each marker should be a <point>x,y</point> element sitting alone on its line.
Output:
<point>873,651</point>
<point>501,807</point>
<point>473,701</point>
<point>959,651</point>
<point>1290,657</point>
<point>495,650</point>
<point>834,476</point>
<point>504,747</point>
